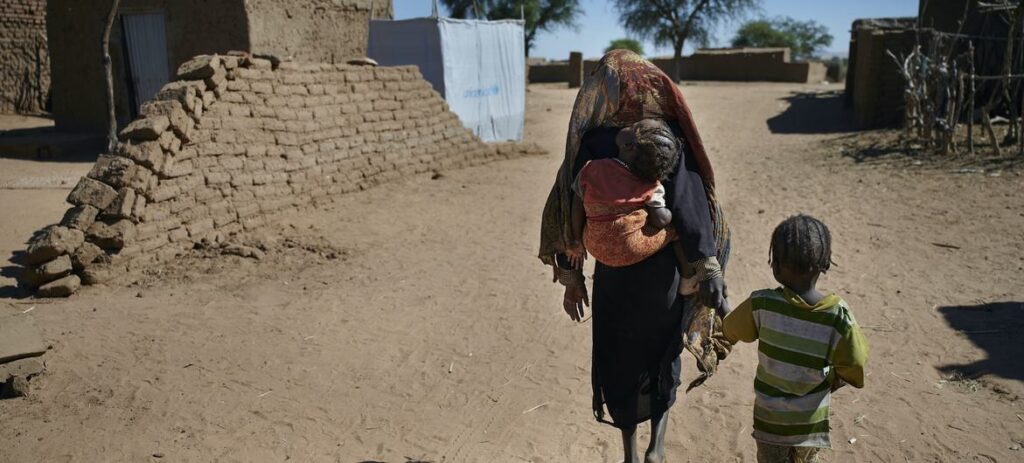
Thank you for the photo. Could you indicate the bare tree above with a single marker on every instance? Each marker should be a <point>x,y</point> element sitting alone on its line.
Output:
<point>673,22</point>
<point>108,68</point>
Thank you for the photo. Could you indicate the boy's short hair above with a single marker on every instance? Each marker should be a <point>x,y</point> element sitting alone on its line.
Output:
<point>802,243</point>
<point>657,152</point>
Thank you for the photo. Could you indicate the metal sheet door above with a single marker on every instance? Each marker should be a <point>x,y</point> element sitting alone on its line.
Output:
<point>146,43</point>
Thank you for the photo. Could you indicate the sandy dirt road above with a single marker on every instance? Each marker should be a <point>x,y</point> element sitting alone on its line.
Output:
<point>412,322</point>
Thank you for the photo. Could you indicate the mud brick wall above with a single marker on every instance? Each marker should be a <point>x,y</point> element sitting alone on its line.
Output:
<point>751,64</point>
<point>545,73</point>
<point>329,31</point>
<point>234,141</point>
<point>876,86</point>
<point>24,60</point>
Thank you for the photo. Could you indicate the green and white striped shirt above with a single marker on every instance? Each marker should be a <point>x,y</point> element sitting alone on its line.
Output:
<point>802,351</point>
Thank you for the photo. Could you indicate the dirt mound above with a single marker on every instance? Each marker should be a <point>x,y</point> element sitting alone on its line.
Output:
<point>275,251</point>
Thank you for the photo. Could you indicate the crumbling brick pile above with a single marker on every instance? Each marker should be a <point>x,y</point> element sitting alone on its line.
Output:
<point>24,58</point>
<point>235,140</point>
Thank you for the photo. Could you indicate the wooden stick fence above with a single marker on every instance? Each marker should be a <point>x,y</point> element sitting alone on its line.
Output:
<point>946,85</point>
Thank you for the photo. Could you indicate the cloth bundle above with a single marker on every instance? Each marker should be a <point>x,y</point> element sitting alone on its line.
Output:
<point>702,336</point>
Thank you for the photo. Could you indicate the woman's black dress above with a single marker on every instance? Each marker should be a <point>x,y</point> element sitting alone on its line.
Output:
<point>637,313</point>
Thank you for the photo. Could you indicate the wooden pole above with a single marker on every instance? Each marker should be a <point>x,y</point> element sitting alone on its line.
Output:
<point>1020,125</point>
<point>986,120</point>
<point>1002,84</point>
<point>954,117</point>
<point>970,114</point>
<point>108,68</point>
<point>575,69</point>
<point>1015,94</point>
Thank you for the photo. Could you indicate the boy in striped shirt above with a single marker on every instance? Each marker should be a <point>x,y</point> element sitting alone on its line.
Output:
<point>809,345</point>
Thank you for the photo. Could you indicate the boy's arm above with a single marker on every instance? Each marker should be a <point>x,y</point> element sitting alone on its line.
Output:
<point>739,324</point>
<point>850,355</point>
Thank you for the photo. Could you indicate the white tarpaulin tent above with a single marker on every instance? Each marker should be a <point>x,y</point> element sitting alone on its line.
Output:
<point>478,67</point>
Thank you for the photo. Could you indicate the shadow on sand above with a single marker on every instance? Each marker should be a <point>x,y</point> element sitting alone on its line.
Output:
<point>874,151</point>
<point>12,271</point>
<point>813,113</point>
<point>406,461</point>
<point>994,328</point>
<point>46,144</point>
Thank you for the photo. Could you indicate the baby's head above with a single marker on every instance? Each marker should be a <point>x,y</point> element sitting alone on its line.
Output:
<point>649,148</point>
<point>801,250</point>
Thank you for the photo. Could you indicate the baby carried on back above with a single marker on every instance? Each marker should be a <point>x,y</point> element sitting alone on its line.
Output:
<point>621,200</point>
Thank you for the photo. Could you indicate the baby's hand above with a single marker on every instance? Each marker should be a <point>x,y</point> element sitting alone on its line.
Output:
<point>577,254</point>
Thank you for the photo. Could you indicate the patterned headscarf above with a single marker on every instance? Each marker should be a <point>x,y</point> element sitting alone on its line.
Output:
<point>623,89</point>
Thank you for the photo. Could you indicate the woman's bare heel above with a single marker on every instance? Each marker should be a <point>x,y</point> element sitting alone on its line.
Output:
<point>656,450</point>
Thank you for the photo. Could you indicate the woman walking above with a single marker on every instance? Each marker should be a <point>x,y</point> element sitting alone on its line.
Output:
<point>639,308</point>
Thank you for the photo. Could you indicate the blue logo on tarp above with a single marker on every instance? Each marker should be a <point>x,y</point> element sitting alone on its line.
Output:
<point>482,92</point>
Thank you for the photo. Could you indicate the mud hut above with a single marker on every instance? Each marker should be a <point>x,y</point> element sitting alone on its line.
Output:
<point>874,87</point>
<point>152,37</point>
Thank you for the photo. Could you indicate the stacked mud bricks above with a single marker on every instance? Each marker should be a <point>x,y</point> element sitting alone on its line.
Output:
<point>24,61</point>
<point>235,140</point>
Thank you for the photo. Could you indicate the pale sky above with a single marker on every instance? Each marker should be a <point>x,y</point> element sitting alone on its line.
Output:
<point>599,24</point>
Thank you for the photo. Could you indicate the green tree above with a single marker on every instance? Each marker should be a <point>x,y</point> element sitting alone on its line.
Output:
<point>540,15</point>
<point>625,44</point>
<point>804,38</point>
<point>673,22</point>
